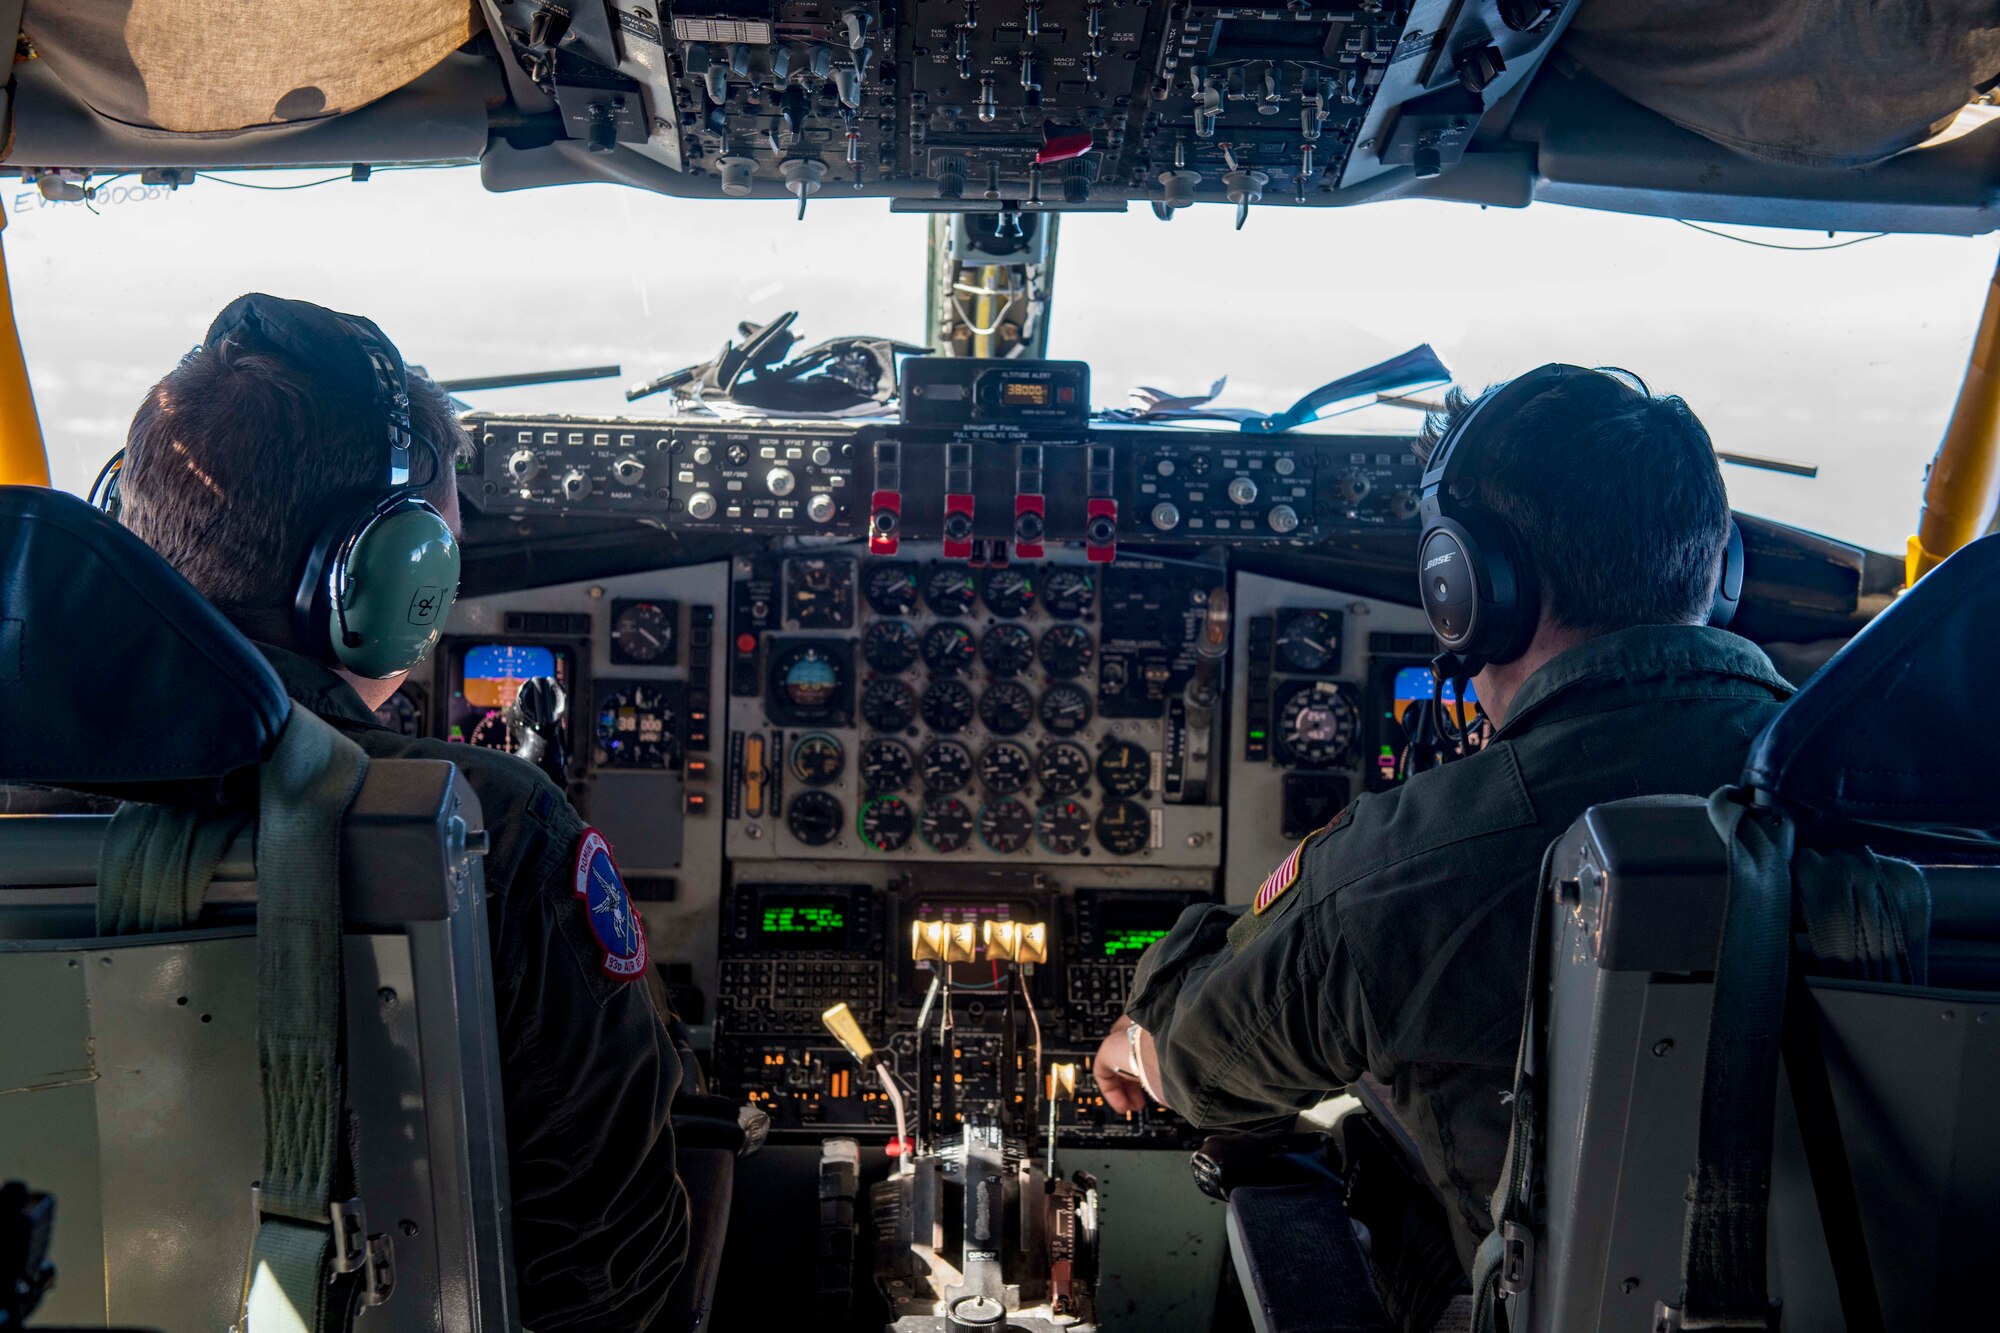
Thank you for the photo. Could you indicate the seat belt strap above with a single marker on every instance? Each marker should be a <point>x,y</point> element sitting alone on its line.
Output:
<point>1725,1239</point>
<point>1505,1260</point>
<point>311,1239</point>
<point>156,864</point>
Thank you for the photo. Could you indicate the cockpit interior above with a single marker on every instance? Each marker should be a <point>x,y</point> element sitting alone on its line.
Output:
<point>916,704</point>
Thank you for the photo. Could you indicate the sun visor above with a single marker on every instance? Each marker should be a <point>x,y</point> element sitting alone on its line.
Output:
<point>1815,83</point>
<point>216,69</point>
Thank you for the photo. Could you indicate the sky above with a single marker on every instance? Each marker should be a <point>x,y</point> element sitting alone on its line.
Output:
<point>1848,358</point>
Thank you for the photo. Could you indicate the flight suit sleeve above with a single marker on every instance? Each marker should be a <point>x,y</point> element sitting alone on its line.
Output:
<point>600,1218</point>
<point>1252,1016</point>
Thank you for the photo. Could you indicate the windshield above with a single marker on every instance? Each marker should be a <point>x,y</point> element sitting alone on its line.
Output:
<point>1845,358</point>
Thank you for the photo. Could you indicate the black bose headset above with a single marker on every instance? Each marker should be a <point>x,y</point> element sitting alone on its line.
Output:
<point>380,576</point>
<point>1476,580</point>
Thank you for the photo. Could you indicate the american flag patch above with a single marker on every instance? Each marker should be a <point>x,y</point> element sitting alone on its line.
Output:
<point>1286,875</point>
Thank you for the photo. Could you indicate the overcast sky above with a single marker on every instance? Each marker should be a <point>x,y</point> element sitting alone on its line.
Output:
<point>1848,358</point>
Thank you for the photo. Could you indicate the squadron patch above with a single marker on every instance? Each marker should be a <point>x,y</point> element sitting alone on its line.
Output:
<point>608,908</point>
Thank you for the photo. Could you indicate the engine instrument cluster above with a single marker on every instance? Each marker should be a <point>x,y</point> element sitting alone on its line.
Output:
<point>924,708</point>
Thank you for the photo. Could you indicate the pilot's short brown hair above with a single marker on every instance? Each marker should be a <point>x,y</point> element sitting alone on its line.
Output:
<point>237,460</point>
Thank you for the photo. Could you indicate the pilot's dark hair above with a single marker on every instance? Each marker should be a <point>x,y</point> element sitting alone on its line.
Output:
<point>1615,493</point>
<point>236,460</point>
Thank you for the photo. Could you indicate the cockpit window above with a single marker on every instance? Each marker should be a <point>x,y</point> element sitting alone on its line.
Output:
<point>1847,359</point>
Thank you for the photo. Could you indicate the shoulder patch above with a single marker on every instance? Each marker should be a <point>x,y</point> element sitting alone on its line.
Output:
<point>542,804</point>
<point>608,908</point>
<point>1287,873</point>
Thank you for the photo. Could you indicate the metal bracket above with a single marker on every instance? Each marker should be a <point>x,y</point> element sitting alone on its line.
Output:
<point>378,1282</point>
<point>1517,1258</point>
<point>350,1229</point>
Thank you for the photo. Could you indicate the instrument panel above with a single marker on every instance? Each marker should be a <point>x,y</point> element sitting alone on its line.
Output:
<point>925,709</point>
<point>1098,487</point>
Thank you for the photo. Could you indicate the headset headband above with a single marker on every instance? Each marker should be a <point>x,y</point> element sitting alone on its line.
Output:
<point>1444,467</point>
<point>348,351</point>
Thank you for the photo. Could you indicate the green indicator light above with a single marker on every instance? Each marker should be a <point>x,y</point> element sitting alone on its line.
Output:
<point>1257,735</point>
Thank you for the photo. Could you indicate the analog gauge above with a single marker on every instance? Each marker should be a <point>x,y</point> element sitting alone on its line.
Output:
<point>1064,710</point>
<point>946,824</point>
<point>888,705</point>
<point>400,714</point>
<point>949,648</point>
<point>1068,593</point>
<point>1005,826</point>
<point>820,592</point>
<point>945,766</point>
<point>1007,708</point>
<point>1124,768</point>
<point>891,587</point>
<point>636,728</point>
<point>817,759</point>
<point>809,678</point>
<point>1066,651</point>
<point>1063,826</point>
<point>889,646</point>
<point>949,590</point>
<point>886,765</point>
<point>1007,592</point>
<point>642,634</point>
<point>1004,768</point>
<point>1316,724</point>
<point>886,823</point>
<point>814,818</point>
<point>1007,650</point>
<point>1062,769</point>
<point>1309,641</point>
<point>1124,828</point>
<point>492,732</point>
<point>947,706</point>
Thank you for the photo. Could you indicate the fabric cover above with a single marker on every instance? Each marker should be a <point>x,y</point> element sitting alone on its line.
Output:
<point>1888,730</point>
<point>236,64</point>
<point>1821,83</point>
<point>114,672</point>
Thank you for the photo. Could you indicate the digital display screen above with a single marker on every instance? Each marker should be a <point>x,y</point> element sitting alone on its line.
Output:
<point>1024,393</point>
<point>1415,682</point>
<point>796,921</point>
<point>1126,927</point>
<point>485,679</point>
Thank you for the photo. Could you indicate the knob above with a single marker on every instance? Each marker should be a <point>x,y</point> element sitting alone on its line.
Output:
<point>821,455</point>
<point>883,523</point>
<point>1166,517</point>
<point>820,508</point>
<point>1284,467</point>
<point>1177,187</point>
<point>701,505</point>
<point>736,173</point>
<point>780,480</point>
<point>523,465</point>
<point>629,471</point>
<point>737,455</point>
<point>1403,504</point>
<point>1282,518</point>
<point>575,484</point>
<point>1029,527</point>
<point>1354,487</point>
<point>957,525</point>
<point>1100,531</point>
<point>1243,491</point>
<point>703,455</point>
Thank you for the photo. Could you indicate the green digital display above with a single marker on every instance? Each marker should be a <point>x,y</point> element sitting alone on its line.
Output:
<point>1118,942</point>
<point>807,918</point>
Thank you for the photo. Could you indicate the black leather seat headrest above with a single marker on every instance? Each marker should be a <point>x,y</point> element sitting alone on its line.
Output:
<point>115,674</point>
<point>1893,728</point>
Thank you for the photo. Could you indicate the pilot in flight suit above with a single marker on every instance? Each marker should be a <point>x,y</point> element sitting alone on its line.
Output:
<point>1394,941</point>
<point>230,464</point>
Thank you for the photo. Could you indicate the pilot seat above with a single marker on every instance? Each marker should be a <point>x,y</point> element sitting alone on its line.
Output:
<point>248,1044</point>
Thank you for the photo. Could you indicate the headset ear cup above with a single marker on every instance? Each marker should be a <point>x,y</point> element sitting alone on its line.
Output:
<point>1483,603</point>
<point>1729,584</point>
<point>385,590</point>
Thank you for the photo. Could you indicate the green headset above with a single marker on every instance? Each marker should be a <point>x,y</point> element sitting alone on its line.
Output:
<point>382,573</point>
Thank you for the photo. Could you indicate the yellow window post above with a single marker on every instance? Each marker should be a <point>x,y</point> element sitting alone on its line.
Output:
<point>1961,476</point>
<point>24,460</point>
